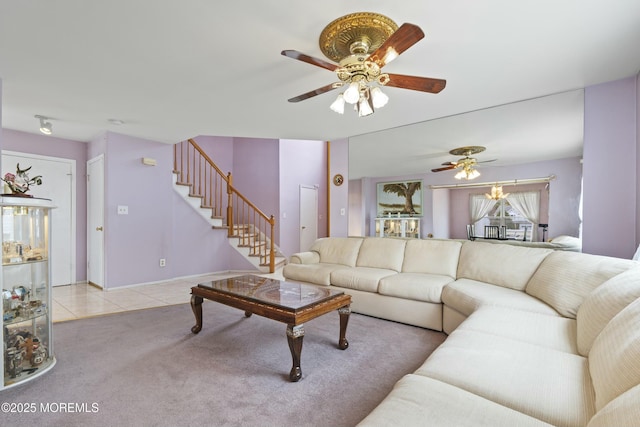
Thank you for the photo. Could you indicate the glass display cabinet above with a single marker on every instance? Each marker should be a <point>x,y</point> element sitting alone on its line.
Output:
<point>26,289</point>
<point>398,227</point>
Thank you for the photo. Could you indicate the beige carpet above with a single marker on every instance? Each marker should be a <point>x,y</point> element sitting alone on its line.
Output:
<point>145,368</point>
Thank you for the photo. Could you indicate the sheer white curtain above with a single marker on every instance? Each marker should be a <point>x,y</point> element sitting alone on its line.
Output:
<point>527,203</point>
<point>480,206</point>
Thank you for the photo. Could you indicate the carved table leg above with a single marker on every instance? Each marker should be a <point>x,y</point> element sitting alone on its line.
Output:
<point>196,306</point>
<point>295,334</point>
<point>344,321</point>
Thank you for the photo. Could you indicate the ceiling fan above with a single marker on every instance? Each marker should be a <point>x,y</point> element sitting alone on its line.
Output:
<point>362,43</point>
<point>465,164</point>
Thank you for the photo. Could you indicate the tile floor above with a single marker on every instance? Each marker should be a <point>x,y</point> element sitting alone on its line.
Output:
<point>82,300</point>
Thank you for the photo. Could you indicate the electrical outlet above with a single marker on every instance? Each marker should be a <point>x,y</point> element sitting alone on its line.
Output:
<point>163,262</point>
<point>123,210</point>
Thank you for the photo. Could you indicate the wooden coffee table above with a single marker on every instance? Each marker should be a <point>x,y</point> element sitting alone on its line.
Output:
<point>290,303</point>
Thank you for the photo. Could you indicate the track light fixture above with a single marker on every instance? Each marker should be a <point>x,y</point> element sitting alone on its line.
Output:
<point>45,127</point>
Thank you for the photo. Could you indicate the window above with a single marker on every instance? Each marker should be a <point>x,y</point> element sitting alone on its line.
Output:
<point>503,214</point>
<point>518,213</point>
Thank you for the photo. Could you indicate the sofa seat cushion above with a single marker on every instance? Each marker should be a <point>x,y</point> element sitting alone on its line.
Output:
<point>420,401</point>
<point>564,279</point>
<point>381,252</point>
<point>550,385</point>
<point>604,304</point>
<point>465,296</point>
<point>624,410</point>
<point>432,256</point>
<point>415,286</point>
<point>554,332</point>
<point>502,265</point>
<point>614,359</point>
<point>360,278</point>
<point>319,274</point>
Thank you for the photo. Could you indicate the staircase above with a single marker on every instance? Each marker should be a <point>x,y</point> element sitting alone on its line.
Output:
<point>211,193</point>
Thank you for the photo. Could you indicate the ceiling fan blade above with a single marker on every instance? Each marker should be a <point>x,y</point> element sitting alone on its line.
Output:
<point>424,84</point>
<point>450,164</point>
<point>294,54</point>
<point>446,168</point>
<point>313,93</point>
<point>402,39</point>
<point>487,161</point>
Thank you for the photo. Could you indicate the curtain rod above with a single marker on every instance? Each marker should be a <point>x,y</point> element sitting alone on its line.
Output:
<point>489,184</point>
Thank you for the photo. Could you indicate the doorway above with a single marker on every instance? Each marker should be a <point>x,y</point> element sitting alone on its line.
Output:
<point>58,185</point>
<point>308,216</point>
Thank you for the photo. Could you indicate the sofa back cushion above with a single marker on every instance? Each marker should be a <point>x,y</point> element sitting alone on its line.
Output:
<point>432,257</point>
<point>614,359</point>
<point>381,252</point>
<point>338,250</point>
<point>503,265</point>
<point>621,411</point>
<point>565,279</point>
<point>601,305</point>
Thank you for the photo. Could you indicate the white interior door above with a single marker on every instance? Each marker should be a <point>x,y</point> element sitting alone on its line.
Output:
<point>59,185</point>
<point>95,221</point>
<point>308,216</point>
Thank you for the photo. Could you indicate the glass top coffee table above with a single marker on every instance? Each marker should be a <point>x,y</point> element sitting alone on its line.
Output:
<point>290,303</point>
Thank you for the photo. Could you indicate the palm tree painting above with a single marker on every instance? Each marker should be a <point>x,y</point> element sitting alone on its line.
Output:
<point>402,197</point>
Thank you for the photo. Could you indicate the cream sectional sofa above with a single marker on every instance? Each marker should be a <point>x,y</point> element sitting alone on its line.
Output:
<point>536,336</point>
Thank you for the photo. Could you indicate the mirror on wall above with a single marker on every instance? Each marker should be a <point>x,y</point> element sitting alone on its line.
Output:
<point>538,129</point>
<point>528,139</point>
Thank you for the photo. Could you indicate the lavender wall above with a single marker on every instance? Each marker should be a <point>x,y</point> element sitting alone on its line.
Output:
<point>219,149</point>
<point>256,172</point>
<point>301,163</point>
<point>611,168</point>
<point>563,198</point>
<point>356,208</point>
<point>339,195</point>
<point>62,148</point>
<point>159,223</point>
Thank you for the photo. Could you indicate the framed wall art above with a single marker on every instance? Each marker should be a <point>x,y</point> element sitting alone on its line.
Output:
<point>400,198</point>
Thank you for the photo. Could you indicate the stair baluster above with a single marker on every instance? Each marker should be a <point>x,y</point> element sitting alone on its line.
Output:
<point>244,220</point>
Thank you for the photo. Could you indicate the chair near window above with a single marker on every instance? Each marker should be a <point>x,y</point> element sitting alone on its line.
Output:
<point>471,231</point>
<point>502,234</point>
<point>491,232</point>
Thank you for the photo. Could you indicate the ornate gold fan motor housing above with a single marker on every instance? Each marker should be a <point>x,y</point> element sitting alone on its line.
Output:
<point>467,151</point>
<point>356,33</point>
<point>349,40</point>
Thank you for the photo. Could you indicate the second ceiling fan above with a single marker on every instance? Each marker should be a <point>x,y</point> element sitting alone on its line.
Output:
<point>362,43</point>
<point>465,164</point>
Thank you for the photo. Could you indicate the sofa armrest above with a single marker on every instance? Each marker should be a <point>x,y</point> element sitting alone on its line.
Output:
<point>305,258</point>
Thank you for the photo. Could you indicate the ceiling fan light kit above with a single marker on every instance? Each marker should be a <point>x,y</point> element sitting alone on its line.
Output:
<point>362,43</point>
<point>467,173</point>
<point>466,164</point>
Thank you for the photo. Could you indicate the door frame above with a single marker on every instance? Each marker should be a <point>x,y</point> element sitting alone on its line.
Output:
<point>72,214</point>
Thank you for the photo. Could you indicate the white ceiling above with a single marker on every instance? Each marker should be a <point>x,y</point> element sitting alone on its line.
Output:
<point>172,70</point>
